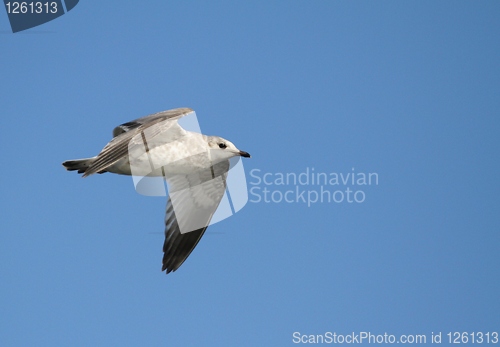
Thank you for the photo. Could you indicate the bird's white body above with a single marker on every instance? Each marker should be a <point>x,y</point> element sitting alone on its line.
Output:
<point>182,156</point>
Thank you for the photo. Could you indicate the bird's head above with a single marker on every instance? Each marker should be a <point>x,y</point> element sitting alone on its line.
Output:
<point>222,149</point>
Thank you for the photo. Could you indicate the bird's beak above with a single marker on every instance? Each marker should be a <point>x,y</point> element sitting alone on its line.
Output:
<point>244,154</point>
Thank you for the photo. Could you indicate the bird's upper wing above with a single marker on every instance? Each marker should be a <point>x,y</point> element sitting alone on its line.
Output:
<point>193,200</point>
<point>133,133</point>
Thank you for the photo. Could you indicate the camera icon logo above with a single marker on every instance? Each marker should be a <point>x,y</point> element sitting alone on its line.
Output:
<point>207,196</point>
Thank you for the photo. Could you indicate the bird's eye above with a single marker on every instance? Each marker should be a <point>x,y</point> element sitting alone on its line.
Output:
<point>222,145</point>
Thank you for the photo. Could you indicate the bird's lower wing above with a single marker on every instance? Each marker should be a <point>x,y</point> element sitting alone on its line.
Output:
<point>192,202</point>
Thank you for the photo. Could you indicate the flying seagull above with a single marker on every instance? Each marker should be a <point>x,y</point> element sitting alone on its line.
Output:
<point>195,167</point>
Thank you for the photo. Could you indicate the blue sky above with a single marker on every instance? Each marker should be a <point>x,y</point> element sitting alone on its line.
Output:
<point>407,90</point>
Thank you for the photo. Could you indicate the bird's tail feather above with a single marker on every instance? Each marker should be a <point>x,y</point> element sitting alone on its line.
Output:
<point>79,164</point>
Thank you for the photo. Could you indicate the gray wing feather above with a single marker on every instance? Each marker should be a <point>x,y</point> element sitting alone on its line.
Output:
<point>202,192</point>
<point>125,137</point>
